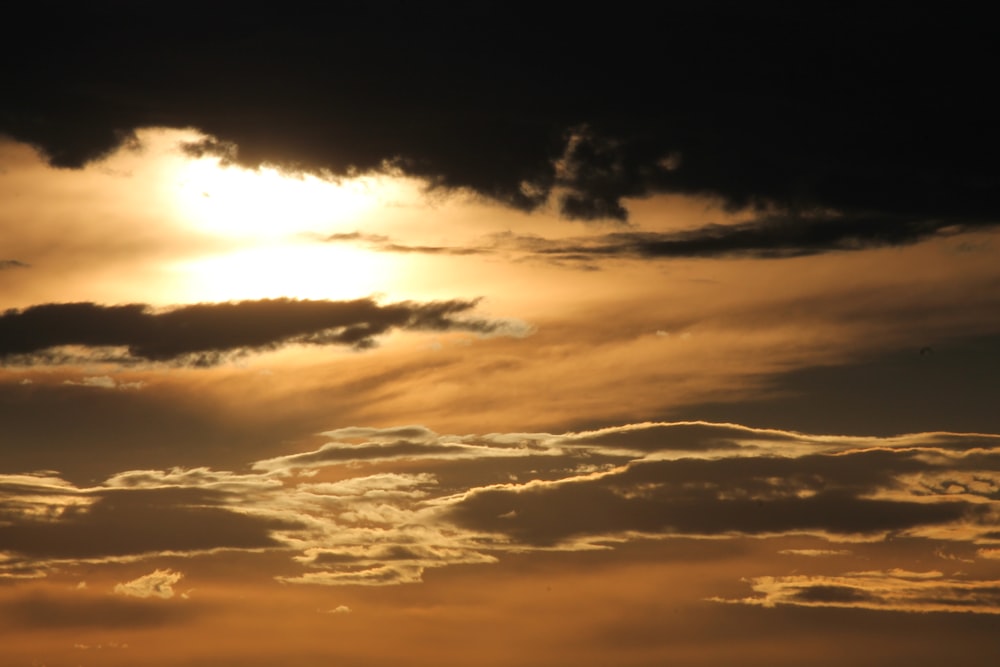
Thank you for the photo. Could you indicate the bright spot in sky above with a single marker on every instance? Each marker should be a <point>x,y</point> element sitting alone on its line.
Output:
<point>269,226</point>
<point>267,203</point>
<point>300,271</point>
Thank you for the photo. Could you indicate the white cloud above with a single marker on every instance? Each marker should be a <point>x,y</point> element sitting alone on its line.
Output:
<point>341,609</point>
<point>376,576</point>
<point>158,583</point>
<point>815,553</point>
<point>105,382</point>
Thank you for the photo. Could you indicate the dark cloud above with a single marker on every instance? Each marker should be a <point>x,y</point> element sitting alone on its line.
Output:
<point>12,264</point>
<point>773,236</point>
<point>748,495</point>
<point>204,334</point>
<point>776,236</point>
<point>115,524</point>
<point>835,594</point>
<point>882,111</point>
<point>545,518</point>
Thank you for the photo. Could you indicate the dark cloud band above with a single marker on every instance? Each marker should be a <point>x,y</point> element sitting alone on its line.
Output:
<point>202,334</point>
<point>786,235</point>
<point>758,105</point>
<point>767,237</point>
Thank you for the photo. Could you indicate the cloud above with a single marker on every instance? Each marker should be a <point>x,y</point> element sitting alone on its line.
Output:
<point>158,583</point>
<point>815,553</point>
<point>893,590</point>
<point>788,234</point>
<point>190,478</point>
<point>376,576</point>
<point>597,510</point>
<point>762,483</point>
<point>205,334</point>
<point>381,506</point>
<point>392,444</point>
<point>98,647</point>
<point>105,382</point>
<point>780,108</point>
<point>113,524</point>
<point>382,243</point>
<point>12,264</point>
<point>340,609</point>
<point>781,235</point>
<point>99,381</point>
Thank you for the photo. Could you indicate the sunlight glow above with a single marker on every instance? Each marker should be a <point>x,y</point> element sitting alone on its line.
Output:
<point>268,203</point>
<point>267,227</point>
<point>300,271</point>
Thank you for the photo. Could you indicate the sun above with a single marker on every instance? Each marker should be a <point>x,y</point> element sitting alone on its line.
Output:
<point>261,232</point>
<point>296,270</point>
<point>267,203</point>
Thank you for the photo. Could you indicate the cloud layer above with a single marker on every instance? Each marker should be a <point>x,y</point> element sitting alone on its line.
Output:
<point>381,506</point>
<point>799,108</point>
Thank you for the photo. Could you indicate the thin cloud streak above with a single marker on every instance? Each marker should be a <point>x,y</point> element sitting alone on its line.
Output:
<point>779,236</point>
<point>12,264</point>
<point>771,237</point>
<point>894,590</point>
<point>382,243</point>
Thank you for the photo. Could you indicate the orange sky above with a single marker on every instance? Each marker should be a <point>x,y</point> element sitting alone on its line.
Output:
<point>202,515</point>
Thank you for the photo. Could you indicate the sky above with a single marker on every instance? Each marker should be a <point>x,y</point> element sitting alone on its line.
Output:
<point>500,334</point>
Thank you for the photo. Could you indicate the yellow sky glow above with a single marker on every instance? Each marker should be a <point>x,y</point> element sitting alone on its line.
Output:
<point>295,270</point>
<point>266,203</point>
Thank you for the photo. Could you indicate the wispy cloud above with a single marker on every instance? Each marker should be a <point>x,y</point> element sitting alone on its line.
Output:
<point>893,590</point>
<point>159,584</point>
<point>406,499</point>
<point>815,553</point>
<point>782,235</point>
<point>382,243</point>
<point>104,382</point>
<point>777,235</point>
